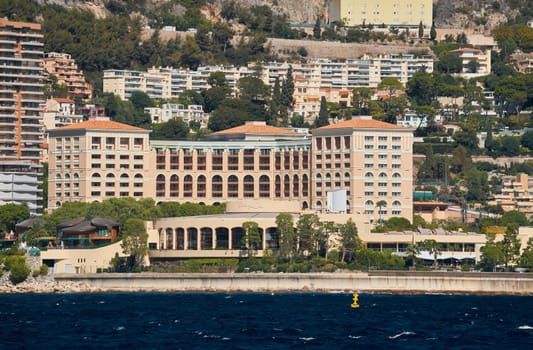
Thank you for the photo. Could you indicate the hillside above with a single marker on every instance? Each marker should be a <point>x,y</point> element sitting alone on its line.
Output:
<point>470,15</point>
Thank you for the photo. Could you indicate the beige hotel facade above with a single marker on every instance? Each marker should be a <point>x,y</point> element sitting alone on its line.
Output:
<point>370,160</point>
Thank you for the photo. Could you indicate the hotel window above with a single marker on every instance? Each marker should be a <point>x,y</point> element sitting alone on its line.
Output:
<point>396,147</point>
<point>137,194</point>
<point>382,184</point>
<point>396,184</point>
<point>382,194</point>
<point>369,165</point>
<point>382,146</point>
<point>369,138</point>
<point>124,157</point>
<point>396,212</point>
<point>369,193</point>
<point>369,184</point>
<point>396,156</point>
<point>396,139</point>
<point>382,166</point>
<point>369,156</point>
<point>110,156</point>
<point>382,138</point>
<point>124,194</point>
<point>95,184</point>
<point>396,166</point>
<point>95,166</point>
<point>382,156</point>
<point>95,193</point>
<point>138,142</point>
<point>124,142</point>
<point>396,194</point>
<point>137,166</point>
<point>369,146</point>
<point>138,157</point>
<point>110,166</point>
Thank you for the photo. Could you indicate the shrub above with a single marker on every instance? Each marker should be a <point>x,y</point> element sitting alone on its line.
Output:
<point>43,270</point>
<point>36,273</point>
<point>18,268</point>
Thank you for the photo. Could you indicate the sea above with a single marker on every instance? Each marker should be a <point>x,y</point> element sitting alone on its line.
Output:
<point>264,321</point>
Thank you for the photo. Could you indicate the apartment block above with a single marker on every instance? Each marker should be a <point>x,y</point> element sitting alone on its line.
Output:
<point>476,62</point>
<point>191,113</point>
<point>64,68</point>
<point>21,98</point>
<point>516,194</point>
<point>408,13</point>
<point>333,79</point>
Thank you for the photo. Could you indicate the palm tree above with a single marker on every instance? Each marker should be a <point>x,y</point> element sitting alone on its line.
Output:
<point>412,250</point>
<point>433,247</point>
<point>380,204</point>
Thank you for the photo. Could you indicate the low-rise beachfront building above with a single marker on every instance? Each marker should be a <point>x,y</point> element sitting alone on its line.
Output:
<point>221,236</point>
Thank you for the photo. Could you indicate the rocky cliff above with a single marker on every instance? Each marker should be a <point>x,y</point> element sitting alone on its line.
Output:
<point>470,15</point>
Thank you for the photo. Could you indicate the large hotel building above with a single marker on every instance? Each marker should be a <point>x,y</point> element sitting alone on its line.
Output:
<point>21,99</point>
<point>362,161</point>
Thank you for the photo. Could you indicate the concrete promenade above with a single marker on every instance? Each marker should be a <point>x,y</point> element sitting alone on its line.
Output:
<point>383,281</point>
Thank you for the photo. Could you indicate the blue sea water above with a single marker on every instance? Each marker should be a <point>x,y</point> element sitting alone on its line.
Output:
<point>264,321</point>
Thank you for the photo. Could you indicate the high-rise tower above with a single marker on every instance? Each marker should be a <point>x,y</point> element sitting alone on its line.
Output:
<point>21,99</point>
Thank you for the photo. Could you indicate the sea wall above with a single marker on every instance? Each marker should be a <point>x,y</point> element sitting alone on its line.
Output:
<point>395,282</point>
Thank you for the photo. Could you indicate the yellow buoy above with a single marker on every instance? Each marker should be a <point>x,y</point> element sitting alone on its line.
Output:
<point>354,305</point>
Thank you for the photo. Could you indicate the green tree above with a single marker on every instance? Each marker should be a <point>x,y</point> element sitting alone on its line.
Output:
<point>526,259</point>
<point>491,254</point>
<point>449,63</point>
<point>18,268</point>
<point>361,98</point>
<point>316,28</point>
<point>140,100</point>
<point>134,242</point>
<point>433,32</point>
<point>252,237</point>
<point>391,85</point>
<point>11,214</point>
<point>308,229</point>
<point>478,185</point>
<point>213,97</point>
<point>191,54</point>
<point>510,245</point>
<point>421,88</point>
<point>527,140</point>
<point>174,129</point>
<point>349,240</point>
<point>253,89</point>
<point>420,30</point>
<point>287,236</point>
<point>514,217</point>
<point>217,79</point>
<point>511,92</point>
<point>323,115</point>
<point>234,112</point>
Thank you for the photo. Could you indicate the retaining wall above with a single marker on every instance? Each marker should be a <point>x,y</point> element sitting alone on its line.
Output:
<point>397,282</point>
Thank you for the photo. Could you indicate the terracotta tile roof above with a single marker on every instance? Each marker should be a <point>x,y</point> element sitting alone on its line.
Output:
<point>255,129</point>
<point>357,123</point>
<point>100,124</point>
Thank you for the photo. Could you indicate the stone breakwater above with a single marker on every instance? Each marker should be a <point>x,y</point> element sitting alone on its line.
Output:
<point>390,282</point>
<point>43,284</point>
<point>375,282</point>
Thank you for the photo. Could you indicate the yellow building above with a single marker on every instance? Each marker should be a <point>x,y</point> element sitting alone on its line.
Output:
<point>389,12</point>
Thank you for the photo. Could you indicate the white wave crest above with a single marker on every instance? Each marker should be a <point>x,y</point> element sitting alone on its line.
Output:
<point>525,327</point>
<point>401,334</point>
